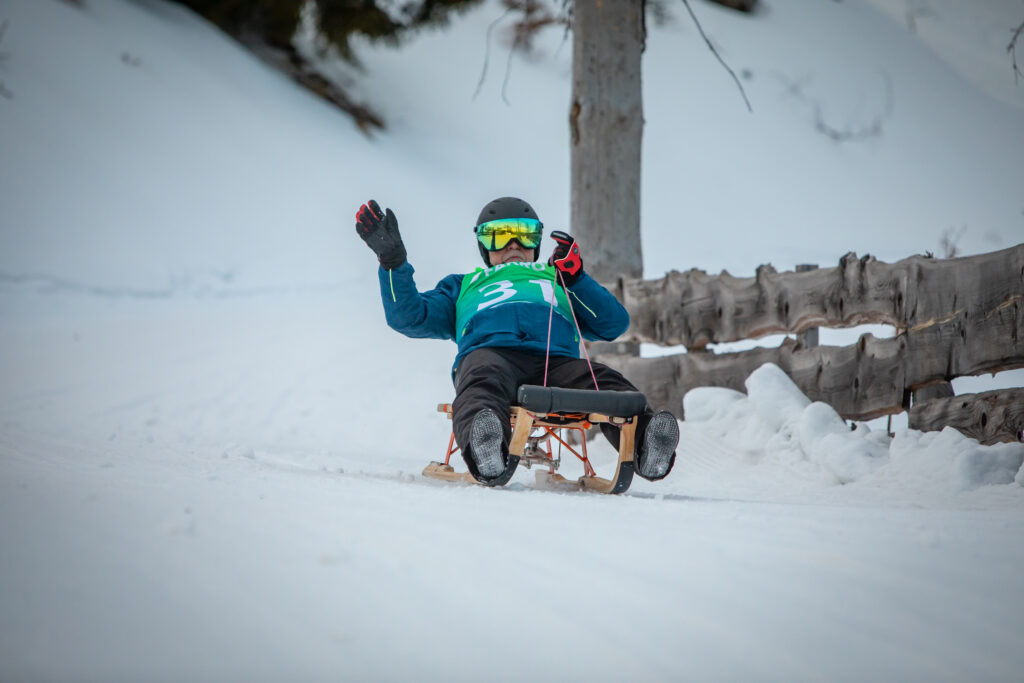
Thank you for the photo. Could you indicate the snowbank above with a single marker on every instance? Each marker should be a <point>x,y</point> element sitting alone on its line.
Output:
<point>775,421</point>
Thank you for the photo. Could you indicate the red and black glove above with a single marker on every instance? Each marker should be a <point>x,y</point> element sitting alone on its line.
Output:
<point>566,257</point>
<point>380,232</point>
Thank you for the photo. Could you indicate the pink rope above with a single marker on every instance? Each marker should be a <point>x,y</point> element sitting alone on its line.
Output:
<point>577,324</point>
<point>547,350</point>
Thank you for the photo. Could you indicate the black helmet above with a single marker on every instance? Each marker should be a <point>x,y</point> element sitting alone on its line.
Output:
<point>504,207</point>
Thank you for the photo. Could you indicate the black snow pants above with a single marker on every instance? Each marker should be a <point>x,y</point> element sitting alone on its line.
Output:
<point>491,377</point>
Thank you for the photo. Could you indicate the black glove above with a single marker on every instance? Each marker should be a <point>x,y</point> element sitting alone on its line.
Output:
<point>380,232</point>
<point>566,257</point>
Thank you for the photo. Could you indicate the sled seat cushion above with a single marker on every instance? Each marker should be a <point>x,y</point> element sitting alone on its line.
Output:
<point>558,400</point>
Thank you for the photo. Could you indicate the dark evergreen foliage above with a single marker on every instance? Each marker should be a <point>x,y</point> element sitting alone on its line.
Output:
<point>267,27</point>
<point>274,22</point>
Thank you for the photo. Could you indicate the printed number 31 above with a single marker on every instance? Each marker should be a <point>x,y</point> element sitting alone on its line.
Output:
<point>503,289</point>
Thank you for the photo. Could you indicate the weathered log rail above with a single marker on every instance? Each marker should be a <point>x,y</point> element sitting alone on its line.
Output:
<point>953,317</point>
<point>694,309</point>
<point>987,417</point>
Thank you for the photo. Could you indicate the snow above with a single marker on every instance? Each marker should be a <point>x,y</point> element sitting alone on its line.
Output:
<point>774,423</point>
<point>211,445</point>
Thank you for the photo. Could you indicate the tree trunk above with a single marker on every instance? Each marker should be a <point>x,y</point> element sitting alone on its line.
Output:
<point>606,127</point>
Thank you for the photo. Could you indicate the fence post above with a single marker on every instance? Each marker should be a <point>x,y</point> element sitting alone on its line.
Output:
<point>938,390</point>
<point>807,339</point>
<point>927,393</point>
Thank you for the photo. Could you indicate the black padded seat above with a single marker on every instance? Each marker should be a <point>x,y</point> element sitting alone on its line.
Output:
<point>559,400</point>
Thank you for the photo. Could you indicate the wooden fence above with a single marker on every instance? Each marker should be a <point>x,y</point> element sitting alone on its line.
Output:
<point>953,317</point>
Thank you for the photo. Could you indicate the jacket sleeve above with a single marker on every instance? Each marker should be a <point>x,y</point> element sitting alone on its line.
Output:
<point>600,315</point>
<point>414,314</point>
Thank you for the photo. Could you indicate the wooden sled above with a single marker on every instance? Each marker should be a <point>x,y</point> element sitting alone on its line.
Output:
<point>537,420</point>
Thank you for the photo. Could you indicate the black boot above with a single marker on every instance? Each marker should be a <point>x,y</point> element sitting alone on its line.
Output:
<point>486,445</point>
<point>658,452</point>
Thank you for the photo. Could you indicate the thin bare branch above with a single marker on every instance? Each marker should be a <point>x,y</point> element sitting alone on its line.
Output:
<point>1012,49</point>
<point>487,51</point>
<point>4,92</point>
<point>516,43</point>
<point>718,56</point>
<point>871,130</point>
<point>950,241</point>
<point>795,89</point>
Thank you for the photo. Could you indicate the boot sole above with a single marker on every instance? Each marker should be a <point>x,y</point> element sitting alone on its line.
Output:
<point>485,440</point>
<point>660,443</point>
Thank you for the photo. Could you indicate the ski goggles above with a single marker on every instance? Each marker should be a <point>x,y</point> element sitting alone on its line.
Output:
<point>495,235</point>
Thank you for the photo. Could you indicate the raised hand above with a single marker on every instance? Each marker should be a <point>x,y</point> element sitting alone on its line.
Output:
<point>566,257</point>
<point>380,232</point>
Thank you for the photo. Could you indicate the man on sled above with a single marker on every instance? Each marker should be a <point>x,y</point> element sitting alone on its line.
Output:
<point>509,332</point>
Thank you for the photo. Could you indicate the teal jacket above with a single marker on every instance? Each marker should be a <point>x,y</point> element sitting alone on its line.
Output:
<point>523,326</point>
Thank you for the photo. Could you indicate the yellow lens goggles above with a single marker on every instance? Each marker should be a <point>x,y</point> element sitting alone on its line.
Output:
<point>495,235</point>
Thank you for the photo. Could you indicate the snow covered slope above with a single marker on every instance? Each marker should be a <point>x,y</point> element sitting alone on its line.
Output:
<point>210,444</point>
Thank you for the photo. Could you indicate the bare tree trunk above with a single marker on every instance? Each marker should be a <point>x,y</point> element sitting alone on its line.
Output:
<point>606,127</point>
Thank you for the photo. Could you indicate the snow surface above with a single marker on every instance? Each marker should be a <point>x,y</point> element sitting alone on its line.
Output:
<point>210,443</point>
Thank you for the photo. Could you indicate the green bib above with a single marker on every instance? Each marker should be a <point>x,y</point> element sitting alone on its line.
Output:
<point>508,283</point>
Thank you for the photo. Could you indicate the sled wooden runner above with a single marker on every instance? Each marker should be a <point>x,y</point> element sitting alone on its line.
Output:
<point>538,420</point>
